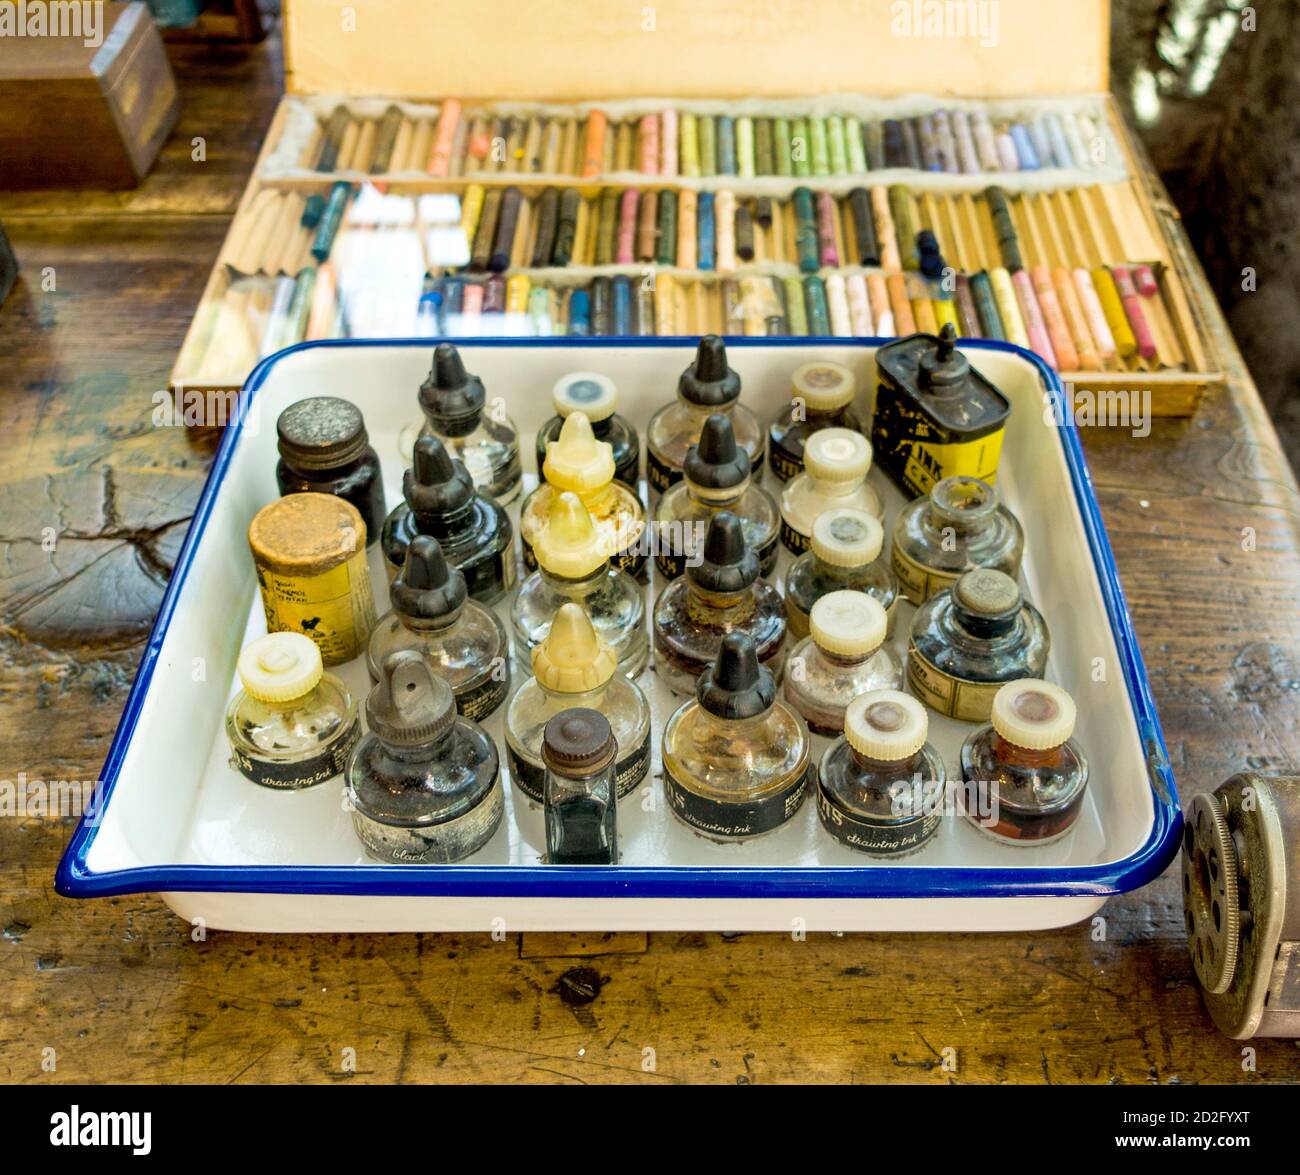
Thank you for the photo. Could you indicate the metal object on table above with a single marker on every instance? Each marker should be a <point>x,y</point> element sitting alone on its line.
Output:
<point>1241,900</point>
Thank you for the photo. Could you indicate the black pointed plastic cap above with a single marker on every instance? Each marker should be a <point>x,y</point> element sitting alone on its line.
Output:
<point>436,483</point>
<point>410,705</point>
<point>736,685</point>
<point>716,462</point>
<point>451,395</point>
<point>708,381</point>
<point>728,564</point>
<point>427,587</point>
<point>943,367</point>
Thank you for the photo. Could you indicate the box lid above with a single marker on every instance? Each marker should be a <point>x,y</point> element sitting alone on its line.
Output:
<point>603,49</point>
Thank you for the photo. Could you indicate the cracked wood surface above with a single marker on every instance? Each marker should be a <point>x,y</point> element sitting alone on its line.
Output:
<point>119,990</point>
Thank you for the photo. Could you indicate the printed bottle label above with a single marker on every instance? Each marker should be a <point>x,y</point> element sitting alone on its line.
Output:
<point>919,582</point>
<point>436,844</point>
<point>795,542</point>
<point>301,773</point>
<point>477,703</point>
<point>892,840</point>
<point>335,608</point>
<point>531,777</point>
<point>784,465</point>
<point>727,821</point>
<point>659,473</point>
<point>916,452</point>
<point>967,701</point>
<point>796,620</point>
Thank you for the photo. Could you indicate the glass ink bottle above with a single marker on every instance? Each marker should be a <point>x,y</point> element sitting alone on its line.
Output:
<point>577,463</point>
<point>596,396</point>
<point>719,595</point>
<point>424,784</point>
<point>844,656</point>
<point>716,478</point>
<point>573,567</point>
<point>433,614</point>
<point>574,667</point>
<point>707,386</point>
<point>324,449</point>
<point>836,461</point>
<point>736,760</point>
<point>474,532</point>
<point>1024,776</point>
<point>821,396</point>
<point>581,809</point>
<point>881,788</point>
<point>936,415</point>
<point>292,725</point>
<point>487,442</point>
<point>960,525</point>
<point>844,555</point>
<point>970,639</point>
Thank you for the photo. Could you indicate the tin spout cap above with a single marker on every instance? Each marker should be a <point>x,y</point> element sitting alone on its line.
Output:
<point>945,367</point>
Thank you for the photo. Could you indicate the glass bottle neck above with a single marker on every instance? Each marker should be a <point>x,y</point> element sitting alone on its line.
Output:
<point>839,574</point>
<point>843,660</point>
<point>984,628</point>
<point>462,426</point>
<point>702,412</point>
<point>428,625</point>
<point>825,488</point>
<point>575,589</point>
<point>422,752</point>
<point>719,608</point>
<point>1016,756</point>
<point>587,699</point>
<point>716,499</point>
<point>962,523</point>
<point>453,525</point>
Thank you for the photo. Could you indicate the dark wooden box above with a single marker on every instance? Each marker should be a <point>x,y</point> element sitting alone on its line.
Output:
<point>85,116</point>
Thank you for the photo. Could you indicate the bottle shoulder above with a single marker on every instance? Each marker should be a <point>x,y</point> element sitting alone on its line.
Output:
<point>413,790</point>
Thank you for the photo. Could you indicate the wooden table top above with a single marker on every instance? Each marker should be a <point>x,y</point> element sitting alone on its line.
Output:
<point>116,990</point>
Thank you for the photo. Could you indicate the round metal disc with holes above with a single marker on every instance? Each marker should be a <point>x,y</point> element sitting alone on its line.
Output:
<point>1210,901</point>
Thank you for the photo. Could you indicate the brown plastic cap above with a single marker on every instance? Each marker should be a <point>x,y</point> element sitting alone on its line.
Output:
<point>578,741</point>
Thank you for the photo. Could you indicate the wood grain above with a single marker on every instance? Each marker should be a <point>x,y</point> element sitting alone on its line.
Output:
<point>119,989</point>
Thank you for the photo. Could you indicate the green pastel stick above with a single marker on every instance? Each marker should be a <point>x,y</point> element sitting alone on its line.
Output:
<point>835,141</point>
<point>745,145</point>
<point>781,146</point>
<point>795,313</point>
<point>688,147</point>
<point>821,164</point>
<point>800,146</point>
<point>708,145</point>
<point>853,141</point>
<point>763,147</point>
<point>819,317</point>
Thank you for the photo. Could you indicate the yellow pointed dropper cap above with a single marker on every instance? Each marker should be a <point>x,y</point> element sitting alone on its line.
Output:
<point>573,659</point>
<point>569,545</point>
<point>577,461</point>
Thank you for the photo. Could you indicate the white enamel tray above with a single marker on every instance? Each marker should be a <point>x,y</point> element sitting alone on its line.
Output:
<point>178,820</point>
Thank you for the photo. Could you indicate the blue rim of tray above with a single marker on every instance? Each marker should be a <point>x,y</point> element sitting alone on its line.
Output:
<point>75,879</point>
